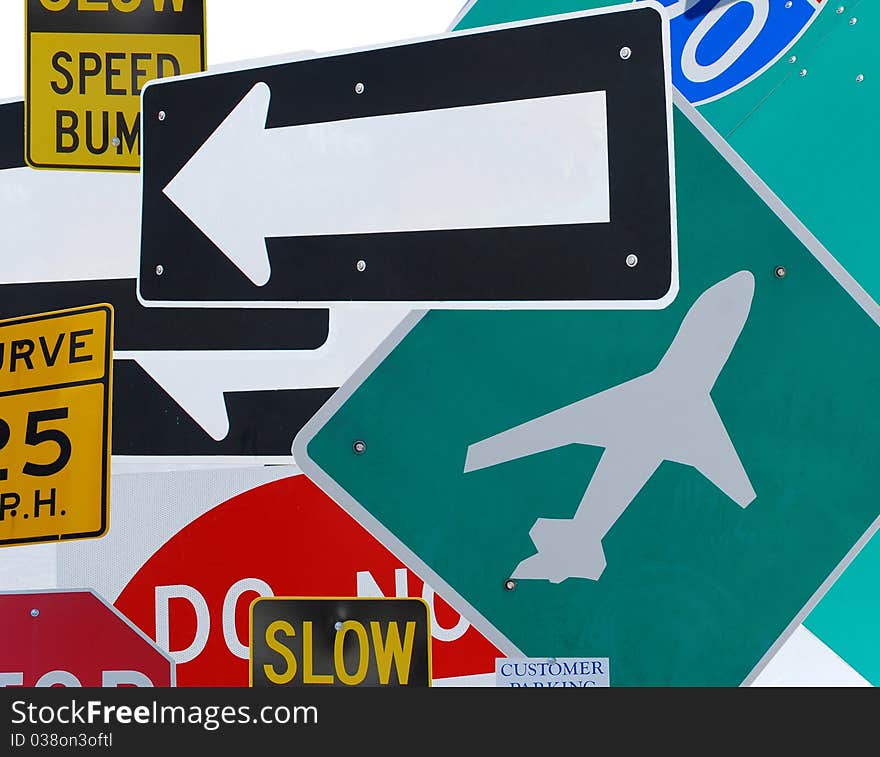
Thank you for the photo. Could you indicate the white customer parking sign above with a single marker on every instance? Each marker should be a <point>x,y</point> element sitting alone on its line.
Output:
<point>552,672</point>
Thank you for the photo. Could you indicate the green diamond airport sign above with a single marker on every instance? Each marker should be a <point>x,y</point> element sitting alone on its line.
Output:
<point>674,490</point>
<point>757,71</point>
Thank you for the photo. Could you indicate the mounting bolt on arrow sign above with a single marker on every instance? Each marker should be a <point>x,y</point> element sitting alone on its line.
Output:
<point>394,175</point>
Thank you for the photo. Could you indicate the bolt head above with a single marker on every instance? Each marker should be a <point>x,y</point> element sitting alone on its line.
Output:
<point>625,53</point>
<point>840,9</point>
<point>35,613</point>
<point>779,272</point>
<point>853,21</point>
<point>860,78</point>
<point>359,88</point>
<point>509,584</point>
<point>803,72</point>
<point>361,265</point>
<point>359,447</point>
<point>793,59</point>
<point>115,141</point>
<point>161,115</point>
<point>788,3</point>
<point>632,260</point>
<point>160,269</point>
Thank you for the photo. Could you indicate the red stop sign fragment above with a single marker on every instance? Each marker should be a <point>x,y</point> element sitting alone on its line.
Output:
<point>74,638</point>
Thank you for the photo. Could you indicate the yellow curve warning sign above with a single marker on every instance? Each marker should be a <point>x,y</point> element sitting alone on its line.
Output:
<point>55,399</point>
<point>87,62</point>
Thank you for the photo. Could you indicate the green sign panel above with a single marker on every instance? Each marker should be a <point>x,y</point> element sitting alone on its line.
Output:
<point>812,135</point>
<point>673,490</point>
<point>806,123</point>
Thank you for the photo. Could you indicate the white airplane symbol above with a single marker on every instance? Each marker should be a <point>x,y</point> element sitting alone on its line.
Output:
<point>666,414</point>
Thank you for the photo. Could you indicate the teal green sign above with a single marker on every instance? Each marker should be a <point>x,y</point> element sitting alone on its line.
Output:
<point>813,137</point>
<point>848,617</point>
<point>700,562</point>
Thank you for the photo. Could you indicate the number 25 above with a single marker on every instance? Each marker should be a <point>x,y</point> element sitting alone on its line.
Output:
<point>35,436</point>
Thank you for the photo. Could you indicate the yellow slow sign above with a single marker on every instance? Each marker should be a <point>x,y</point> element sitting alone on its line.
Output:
<point>55,398</point>
<point>340,641</point>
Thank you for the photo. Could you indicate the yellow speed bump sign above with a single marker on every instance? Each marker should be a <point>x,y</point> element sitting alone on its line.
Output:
<point>87,62</point>
<point>55,398</point>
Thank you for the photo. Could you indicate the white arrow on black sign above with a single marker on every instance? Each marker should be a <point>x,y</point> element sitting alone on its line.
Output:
<point>542,161</point>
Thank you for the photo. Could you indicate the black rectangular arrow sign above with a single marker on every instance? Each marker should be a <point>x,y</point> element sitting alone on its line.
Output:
<point>515,166</point>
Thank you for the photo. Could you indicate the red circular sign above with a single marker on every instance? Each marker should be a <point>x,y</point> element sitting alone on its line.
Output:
<point>286,538</point>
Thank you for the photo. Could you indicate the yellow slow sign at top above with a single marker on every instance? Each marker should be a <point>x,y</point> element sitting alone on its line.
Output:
<point>87,62</point>
<point>55,399</point>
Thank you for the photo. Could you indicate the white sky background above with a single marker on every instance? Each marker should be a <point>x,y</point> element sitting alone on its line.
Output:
<point>243,29</point>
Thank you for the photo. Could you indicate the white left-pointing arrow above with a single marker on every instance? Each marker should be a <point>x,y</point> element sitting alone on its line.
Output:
<point>198,380</point>
<point>532,162</point>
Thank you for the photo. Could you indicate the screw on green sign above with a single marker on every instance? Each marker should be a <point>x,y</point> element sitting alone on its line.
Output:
<point>697,589</point>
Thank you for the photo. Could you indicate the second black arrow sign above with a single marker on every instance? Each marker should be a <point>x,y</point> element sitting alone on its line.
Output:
<point>189,384</point>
